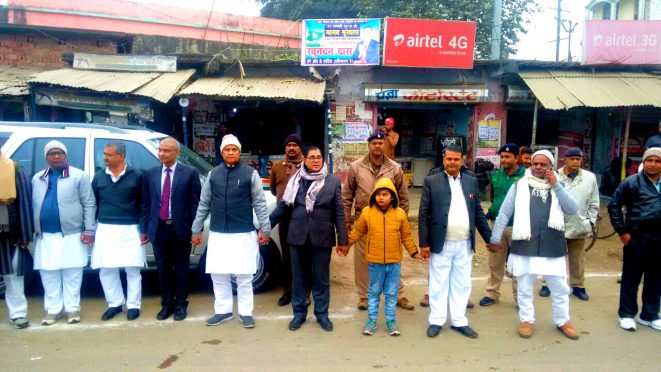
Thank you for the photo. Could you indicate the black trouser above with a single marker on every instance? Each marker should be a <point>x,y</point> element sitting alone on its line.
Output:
<point>641,257</point>
<point>172,257</point>
<point>302,258</point>
<point>286,275</point>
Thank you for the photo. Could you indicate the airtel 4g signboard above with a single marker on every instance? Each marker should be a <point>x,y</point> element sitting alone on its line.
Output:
<point>428,43</point>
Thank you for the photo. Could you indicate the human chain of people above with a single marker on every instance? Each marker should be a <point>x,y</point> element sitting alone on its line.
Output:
<point>536,227</point>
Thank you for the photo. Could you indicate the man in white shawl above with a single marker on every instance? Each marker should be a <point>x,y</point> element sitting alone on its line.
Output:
<point>538,203</point>
<point>230,194</point>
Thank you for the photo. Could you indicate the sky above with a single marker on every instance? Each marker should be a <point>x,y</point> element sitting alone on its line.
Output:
<point>537,44</point>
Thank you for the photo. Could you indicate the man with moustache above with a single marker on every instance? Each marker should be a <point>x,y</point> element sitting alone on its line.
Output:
<point>525,155</point>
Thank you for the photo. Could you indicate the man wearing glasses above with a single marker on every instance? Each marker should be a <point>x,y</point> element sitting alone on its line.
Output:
<point>64,212</point>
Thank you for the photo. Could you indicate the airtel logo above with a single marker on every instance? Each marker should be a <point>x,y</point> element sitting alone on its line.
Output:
<point>398,39</point>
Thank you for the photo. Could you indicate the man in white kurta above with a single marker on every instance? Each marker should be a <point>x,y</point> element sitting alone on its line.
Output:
<point>230,194</point>
<point>539,204</point>
<point>119,242</point>
<point>64,212</point>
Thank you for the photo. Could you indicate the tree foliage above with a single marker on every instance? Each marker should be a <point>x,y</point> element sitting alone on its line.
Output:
<point>516,14</point>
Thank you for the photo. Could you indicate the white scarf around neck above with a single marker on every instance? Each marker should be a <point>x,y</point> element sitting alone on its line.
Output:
<point>318,180</point>
<point>540,188</point>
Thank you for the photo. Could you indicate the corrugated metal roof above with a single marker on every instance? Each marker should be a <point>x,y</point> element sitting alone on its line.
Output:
<point>14,81</point>
<point>559,90</point>
<point>259,87</point>
<point>156,85</point>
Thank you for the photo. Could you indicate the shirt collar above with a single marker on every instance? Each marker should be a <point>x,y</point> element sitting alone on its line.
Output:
<point>453,178</point>
<point>108,171</point>
<point>65,173</point>
<point>171,168</point>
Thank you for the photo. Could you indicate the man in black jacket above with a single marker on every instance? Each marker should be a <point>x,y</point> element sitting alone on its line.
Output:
<point>118,242</point>
<point>641,237</point>
<point>315,199</point>
<point>172,193</point>
<point>450,211</point>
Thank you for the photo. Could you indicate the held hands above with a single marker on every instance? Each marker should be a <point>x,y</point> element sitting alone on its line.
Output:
<point>625,238</point>
<point>424,253</point>
<point>143,239</point>
<point>494,247</point>
<point>342,250</point>
<point>87,238</point>
<point>263,240</point>
<point>196,239</point>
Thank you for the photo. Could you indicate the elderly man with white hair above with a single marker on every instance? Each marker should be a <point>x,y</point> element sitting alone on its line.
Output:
<point>64,212</point>
<point>538,203</point>
<point>231,193</point>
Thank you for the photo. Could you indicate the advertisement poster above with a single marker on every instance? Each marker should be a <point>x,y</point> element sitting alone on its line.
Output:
<point>622,42</point>
<point>489,155</point>
<point>488,133</point>
<point>337,42</point>
<point>356,132</point>
<point>428,43</point>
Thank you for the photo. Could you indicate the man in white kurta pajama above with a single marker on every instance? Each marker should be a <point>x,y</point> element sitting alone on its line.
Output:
<point>119,242</point>
<point>230,194</point>
<point>538,203</point>
<point>64,213</point>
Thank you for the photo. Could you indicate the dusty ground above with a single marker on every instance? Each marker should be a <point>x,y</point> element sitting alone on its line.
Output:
<point>147,344</point>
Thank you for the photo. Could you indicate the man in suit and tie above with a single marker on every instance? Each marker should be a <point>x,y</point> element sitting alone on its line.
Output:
<point>172,193</point>
<point>450,211</point>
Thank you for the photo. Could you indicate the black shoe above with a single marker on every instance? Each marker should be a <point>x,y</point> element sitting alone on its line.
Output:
<point>180,314</point>
<point>111,312</point>
<point>132,314</point>
<point>466,331</point>
<point>487,301</point>
<point>434,330</point>
<point>325,324</point>
<point>544,291</point>
<point>164,313</point>
<point>285,299</point>
<point>580,293</point>
<point>296,323</point>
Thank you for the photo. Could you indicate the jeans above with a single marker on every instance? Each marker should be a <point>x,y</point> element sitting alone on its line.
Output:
<point>384,278</point>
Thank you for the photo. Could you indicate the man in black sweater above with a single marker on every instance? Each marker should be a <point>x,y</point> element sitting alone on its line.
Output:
<point>120,234</point>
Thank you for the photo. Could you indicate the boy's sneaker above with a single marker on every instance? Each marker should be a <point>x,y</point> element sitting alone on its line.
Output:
<point>73,317</point>
<point>370,327</point>
<point>392,328</point>
<point>247,321</point>
<point>628,324</point>
<point>219,318</point>
<point>51,319</point>
<point>19,322</point>
<point>655,324</point>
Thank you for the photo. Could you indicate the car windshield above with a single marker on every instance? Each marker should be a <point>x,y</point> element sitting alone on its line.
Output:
<point>188,157</point>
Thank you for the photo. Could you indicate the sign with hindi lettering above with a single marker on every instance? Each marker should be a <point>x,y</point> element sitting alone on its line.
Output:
<point>425,94</point>
<point>334,42</point>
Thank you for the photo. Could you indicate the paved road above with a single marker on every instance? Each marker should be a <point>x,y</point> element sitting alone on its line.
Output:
<point>147,344</point>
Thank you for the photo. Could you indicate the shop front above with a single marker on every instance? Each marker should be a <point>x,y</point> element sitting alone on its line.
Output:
<point>15,93</point>
<point>260,111</point>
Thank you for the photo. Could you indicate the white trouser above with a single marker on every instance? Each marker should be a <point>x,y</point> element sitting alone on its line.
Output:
<point>222,288</point>
<point>450,279</point>
<point>15,292</point>
<point>62,289</point>
<point>559,297</point>
<point>112,286</point>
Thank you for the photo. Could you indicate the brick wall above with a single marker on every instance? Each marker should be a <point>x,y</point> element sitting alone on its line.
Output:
<point>44,52</point>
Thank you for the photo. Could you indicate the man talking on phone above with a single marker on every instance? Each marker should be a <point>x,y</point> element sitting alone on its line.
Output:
<point>538,203</point>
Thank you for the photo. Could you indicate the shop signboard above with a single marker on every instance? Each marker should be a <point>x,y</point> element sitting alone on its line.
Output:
<point>517,94</point>
<point>428,43</point>
<point>81,101</point>
<point>124,62</point>
<point>338,42</point>
<point>425,94</point>
<point>622,42</point>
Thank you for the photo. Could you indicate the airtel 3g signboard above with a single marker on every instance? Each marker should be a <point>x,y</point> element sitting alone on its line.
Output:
<point>428,43</point>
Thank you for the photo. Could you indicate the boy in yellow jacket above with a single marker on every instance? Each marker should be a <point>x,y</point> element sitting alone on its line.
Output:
<point>387,228</point>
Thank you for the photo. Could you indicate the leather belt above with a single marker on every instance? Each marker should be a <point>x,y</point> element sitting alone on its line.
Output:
<point>166,222</point>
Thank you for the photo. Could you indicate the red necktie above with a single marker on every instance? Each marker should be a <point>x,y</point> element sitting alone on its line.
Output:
<point>165,196</point>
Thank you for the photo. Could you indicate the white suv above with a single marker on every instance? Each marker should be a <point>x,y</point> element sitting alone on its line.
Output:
<point>24,144</point>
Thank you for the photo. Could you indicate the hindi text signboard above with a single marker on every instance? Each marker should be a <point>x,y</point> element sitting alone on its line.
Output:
<point>333,42</point>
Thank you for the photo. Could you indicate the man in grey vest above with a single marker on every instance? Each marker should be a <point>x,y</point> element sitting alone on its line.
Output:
<point>539,204</point>
<point>230,194</point>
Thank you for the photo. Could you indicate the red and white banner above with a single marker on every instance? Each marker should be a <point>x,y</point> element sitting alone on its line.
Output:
<point>622,43</point>
<point>428,43</point>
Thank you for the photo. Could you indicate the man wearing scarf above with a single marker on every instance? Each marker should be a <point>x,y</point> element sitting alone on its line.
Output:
<point>281,172</point>
<point>314,198</point>
<point>230,194</point>
<point>65,221</point>
<point>16,229</point>
<point>539,204</point>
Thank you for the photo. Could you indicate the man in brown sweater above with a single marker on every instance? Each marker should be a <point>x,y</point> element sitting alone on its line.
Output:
<point>281,172</point>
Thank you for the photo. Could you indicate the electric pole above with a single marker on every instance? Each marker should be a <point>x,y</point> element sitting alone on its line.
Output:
<point>557,32</point>
<point>496,29</point>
